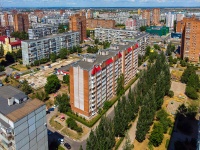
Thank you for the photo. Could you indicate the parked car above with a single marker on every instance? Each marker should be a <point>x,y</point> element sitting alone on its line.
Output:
<point>67,145</point>
<point>51,109</point>
<point>61,141</point>
<point>47,112</point>
<point>49,132</point>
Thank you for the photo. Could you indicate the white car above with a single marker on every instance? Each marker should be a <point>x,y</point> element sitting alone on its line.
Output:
<point>61,141</point>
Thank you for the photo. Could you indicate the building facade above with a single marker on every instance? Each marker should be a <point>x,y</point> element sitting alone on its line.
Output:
<point>156,16</point>
<point>78,23</point>
<point>10,44</point>
<point>116,36</point>
<point>170,20</point>
<point>135,23</point>
<point>42,48</point>
<point>93,80</point>
<point>21,22</point>
<point>146,14</point>
<point>179,16</point>
<point>22,121</point>
<point>190,41</point>
<point>40,32</point>
<point>96,23</point>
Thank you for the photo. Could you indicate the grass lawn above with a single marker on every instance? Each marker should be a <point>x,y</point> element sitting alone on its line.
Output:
<point>20,67</point>
<point>73,134</point>
<point>55,124</point>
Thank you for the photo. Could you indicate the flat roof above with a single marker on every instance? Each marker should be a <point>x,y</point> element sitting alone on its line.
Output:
<point>17,111</point>
<point>49,36</point>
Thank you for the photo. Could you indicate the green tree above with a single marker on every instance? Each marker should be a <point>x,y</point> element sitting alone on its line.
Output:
<point>53,57</point>
<point>2,68</point>
<point>193,81</point>
<point>71,123</point>
<point>143,28</point>
<point>156,46</point>
<point>156,136</point>
<point>19,54</point>
<point>10,58</point>
<point>191,92</point>
<point>81,148</point>
<point>128,145</point>
<point>52,85</point>
<point>63,103</point>
<point>170,93</point>
<point>26,88</point>
<point>66,79</point>
<point>1,51</point>
<point>96,41</point>
<point>187,73</point>
<point>63,53</point>
<point>42,95</point>
<point>120,85</point>
<point>148,49</point>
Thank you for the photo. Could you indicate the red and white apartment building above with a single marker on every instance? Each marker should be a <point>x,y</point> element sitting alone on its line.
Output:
<point>93,80</point>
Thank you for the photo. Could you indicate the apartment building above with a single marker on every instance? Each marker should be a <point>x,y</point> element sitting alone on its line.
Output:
<point>78,23</point>
<point>135,23</point>
<point>21,22</point>
<point>95,23</point>
<point>6,20</point>
<point>156,16</point>
<point>114,36</point>
<point>42,48</point>
<point>93,80</point>
<point>22,121</point>
<point>179,16</point>
<point>146,14</point>
<point>170,20</point>
<point>89,14</point>
<point>40,32</point>
<point>190,42</point>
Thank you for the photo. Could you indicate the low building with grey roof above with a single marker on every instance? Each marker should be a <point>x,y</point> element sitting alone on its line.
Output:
<point>22,121</point>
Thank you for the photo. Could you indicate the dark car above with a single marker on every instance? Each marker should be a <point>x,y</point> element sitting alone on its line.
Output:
<point>67,145</point>
<point>47,112</point>
<point>51,109</point>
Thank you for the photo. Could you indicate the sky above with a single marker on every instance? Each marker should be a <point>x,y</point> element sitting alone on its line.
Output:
<point>100,3</point>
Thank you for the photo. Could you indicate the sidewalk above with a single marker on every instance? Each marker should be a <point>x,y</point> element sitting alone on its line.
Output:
<point>131,134</point>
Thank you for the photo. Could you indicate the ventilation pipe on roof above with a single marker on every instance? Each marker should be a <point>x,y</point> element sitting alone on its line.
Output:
<point>11,101</point>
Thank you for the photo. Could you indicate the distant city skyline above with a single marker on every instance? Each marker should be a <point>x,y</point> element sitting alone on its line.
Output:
<point>99,3</point>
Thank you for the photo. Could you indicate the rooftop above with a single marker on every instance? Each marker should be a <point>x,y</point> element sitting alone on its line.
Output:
<point>49,36</point>
<point>17,111</point>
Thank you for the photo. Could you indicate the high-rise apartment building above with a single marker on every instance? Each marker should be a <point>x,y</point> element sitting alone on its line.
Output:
<point>139,11</point>
<point>156,16</point>
<point>179,16</point>
<point>21,22</point>
<point>22,121</point>
<point>93,80</point>
<point>146,14</point>
<point>78,23</point>
<point>96,23</point>
<point>170,20</point>
<point>6,20</point>
<point>89,14</point>
<point>135,23</point>
<point>42,48</point>
<point>190,42</point>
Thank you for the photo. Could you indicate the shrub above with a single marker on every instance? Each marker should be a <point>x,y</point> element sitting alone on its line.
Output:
<point>71,123</point>
<point>191,92</point>
<point>170,93</point>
